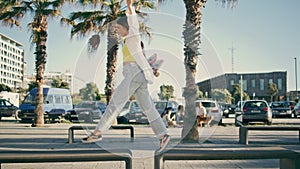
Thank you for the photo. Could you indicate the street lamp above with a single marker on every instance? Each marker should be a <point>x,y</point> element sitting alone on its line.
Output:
<point>296,77</point>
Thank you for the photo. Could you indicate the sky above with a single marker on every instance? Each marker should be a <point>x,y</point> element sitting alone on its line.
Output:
<point>264,34</point>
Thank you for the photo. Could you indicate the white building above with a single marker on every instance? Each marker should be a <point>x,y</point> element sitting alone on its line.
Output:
<point>11,62</point>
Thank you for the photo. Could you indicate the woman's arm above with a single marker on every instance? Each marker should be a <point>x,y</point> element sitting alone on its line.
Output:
<point>129,6</point>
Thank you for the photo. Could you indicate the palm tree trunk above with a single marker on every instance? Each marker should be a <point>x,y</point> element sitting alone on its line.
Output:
<point>112,51</point>
<point>191,35</point>
<point>40,35</point>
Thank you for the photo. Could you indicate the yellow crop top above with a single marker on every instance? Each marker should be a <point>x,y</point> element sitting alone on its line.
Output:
<point>126,54</point>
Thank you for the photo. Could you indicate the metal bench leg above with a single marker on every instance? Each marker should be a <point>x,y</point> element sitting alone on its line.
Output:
<point>71,136</point>
<point>243,135</point>
<point>158,161</point>
<point>132,132</point>
<point>128,163</point>
<point>299,136</point>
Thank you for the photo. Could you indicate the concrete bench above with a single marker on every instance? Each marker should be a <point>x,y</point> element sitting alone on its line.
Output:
<point>288,159</point>
<point>71,130</point>
<point>243,131</point>
<point>46,156</point>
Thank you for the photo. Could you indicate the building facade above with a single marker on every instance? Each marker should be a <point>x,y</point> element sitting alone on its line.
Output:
<point>12,65</point>
<point>65,77</point>
<point>254,84</point>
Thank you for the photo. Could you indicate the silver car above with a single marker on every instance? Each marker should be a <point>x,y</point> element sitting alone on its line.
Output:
<point>256,111</point>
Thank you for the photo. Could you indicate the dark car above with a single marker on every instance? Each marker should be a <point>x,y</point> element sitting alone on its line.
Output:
<point>227,108</point>
<point>132,113</point>
<point>7,109</point>
<point>256,111</point>
<point>296,111</point>
<point>86,111</point>
<point>281,109</point>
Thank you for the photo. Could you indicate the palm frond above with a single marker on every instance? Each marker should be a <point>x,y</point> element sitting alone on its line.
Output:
<point>229,3</point>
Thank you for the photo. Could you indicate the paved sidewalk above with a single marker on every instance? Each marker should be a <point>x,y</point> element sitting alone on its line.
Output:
<point>55,136</point>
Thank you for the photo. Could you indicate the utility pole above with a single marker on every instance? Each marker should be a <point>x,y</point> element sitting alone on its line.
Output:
<point>232,49</point>
<point>296,79</point>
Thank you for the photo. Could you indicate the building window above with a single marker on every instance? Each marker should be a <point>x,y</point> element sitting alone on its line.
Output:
<point>253,83</point>
<point>262,84</point>
<point>279,84</point>
<point>244,85</point>
<point>270,81</point>
<point>231,82</point>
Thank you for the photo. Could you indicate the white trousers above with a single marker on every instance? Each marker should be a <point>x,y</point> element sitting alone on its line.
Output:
<point>134,83</point>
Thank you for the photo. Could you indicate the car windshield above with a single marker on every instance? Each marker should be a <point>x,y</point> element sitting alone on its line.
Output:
<point>126,106</point>
<point>86,105</point>
<point>160,105</point>
<point>209,104</point>
<point>280,105</point>
<point>255,104</point>
<point>31,99</point>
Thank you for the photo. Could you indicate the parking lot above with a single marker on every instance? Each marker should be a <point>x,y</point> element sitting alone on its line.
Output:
<point>14,135</point>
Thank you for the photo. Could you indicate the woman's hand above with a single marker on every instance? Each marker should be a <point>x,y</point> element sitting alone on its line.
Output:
<point>129,2</point>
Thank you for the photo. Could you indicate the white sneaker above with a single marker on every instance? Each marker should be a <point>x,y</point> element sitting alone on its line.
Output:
<point>91,138</point>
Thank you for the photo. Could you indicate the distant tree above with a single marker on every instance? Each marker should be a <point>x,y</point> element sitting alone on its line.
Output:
<point>4,87</point>
<point>90,92</point>
<point>166,92</point>
<point>200,94</point>
<point>31,85</point>
<point>236,93</point>
<point>272,90</point>
<point>58,83</point>
<point>222,95</point>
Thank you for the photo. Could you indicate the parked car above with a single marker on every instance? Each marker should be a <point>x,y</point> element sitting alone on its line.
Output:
<point>7,109</point>
<point>57,102</point>
<point>86,111</point>
<point>256,111</point>
<point>296,110</point>
<point>227,108</point>
<point>281,109</point>
<point>132,113</point>
<point>213,110</point>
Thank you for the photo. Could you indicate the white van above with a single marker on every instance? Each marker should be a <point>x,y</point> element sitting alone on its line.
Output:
<point>57,102</point>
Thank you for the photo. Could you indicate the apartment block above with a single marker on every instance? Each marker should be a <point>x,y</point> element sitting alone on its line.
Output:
<point>65,77</point>
<point>12,63</point>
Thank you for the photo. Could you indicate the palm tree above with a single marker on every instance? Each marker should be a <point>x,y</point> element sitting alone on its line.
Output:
<point>191,36</point>
<point>101,21</point>
<point>12,11</point>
